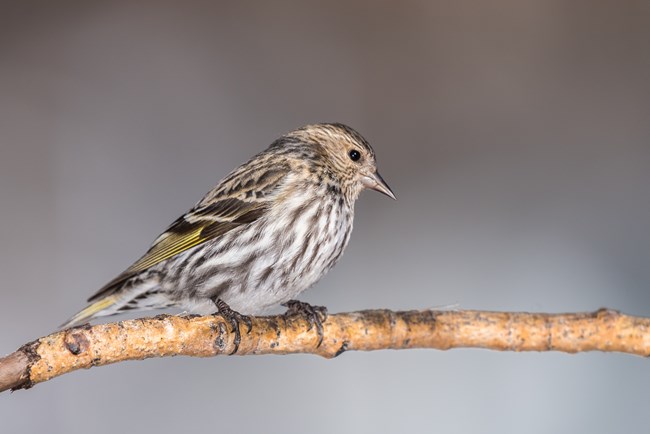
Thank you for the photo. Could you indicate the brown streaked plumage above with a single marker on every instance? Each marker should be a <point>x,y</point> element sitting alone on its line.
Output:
<point>269,230</point>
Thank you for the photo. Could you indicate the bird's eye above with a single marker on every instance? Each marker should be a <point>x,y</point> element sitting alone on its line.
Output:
<point>354,155</point>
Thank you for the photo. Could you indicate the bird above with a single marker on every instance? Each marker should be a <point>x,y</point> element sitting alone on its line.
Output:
<point>265,233</point>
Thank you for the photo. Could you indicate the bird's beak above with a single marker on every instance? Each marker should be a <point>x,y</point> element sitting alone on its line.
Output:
<point>375,182</point>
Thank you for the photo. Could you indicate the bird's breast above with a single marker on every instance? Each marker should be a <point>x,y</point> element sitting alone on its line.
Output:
<point>274,258</point>
<point>312,233</point>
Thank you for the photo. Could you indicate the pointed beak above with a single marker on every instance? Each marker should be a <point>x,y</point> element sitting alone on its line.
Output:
<point>375,182</point>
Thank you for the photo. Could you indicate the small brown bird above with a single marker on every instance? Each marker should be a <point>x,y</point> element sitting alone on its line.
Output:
<point>261,236</point>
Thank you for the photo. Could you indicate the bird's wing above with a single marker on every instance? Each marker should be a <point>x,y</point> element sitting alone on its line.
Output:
<point>207,221</point>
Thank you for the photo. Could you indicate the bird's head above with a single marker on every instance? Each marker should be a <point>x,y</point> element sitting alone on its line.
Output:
<point>346,155</point>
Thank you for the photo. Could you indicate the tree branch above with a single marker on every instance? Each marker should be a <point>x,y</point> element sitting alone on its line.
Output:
<point>205,336</point>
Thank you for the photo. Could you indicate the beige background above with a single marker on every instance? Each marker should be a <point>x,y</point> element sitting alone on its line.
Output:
<point>514,133</point>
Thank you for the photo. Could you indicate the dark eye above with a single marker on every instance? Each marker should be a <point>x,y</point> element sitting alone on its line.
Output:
<point>354,155</point>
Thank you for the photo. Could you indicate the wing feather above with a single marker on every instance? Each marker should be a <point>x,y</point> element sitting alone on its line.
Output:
<point>207,221</point>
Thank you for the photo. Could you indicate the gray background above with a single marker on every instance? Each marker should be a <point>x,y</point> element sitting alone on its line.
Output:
<point>514,133</point>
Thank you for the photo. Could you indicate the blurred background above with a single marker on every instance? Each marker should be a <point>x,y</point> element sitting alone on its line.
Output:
<point>515,134</point>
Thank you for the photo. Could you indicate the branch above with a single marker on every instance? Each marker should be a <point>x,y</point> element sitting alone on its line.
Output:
<point>206,336</point>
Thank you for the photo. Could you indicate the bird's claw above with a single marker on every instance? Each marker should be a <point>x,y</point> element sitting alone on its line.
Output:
<point>234,319</point>
<point>315,315</point>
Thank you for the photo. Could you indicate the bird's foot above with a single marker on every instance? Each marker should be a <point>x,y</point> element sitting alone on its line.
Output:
<point>234,319</point>
<point>315,315</point>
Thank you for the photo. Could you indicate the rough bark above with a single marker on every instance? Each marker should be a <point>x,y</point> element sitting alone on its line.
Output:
<point>205,336</point>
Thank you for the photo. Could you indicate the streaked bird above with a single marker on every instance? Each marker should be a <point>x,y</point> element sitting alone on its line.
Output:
<point>269,230</point>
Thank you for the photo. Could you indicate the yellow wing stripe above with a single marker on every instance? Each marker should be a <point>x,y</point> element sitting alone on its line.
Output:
<point>166,249</point>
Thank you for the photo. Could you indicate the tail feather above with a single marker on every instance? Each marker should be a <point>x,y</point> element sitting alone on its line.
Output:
<point>140,294</point>
<point>101,307</point>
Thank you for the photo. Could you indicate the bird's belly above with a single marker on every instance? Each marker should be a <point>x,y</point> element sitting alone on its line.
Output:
<point>266,263</point>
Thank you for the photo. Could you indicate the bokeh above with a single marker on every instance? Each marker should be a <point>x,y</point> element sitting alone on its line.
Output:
<point>515,134</point>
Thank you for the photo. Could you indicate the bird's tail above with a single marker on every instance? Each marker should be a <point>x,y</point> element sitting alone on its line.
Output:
<point>102,307</point>
<point>142,293</point>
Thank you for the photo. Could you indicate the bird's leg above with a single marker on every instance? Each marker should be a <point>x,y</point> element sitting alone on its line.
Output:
<point>234,318</point>
<point>314,314</point>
